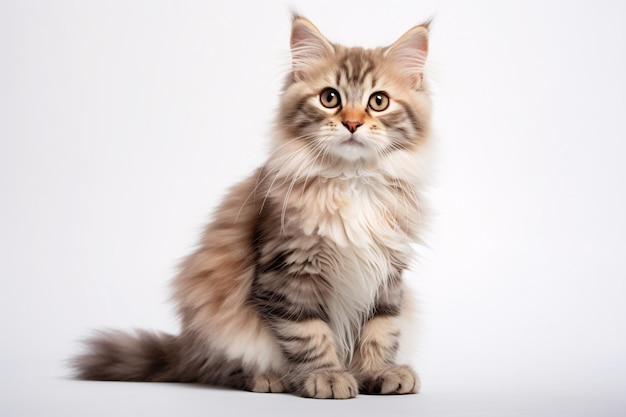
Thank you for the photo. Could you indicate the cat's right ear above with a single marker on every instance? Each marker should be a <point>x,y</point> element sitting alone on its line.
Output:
<point>308,47</point>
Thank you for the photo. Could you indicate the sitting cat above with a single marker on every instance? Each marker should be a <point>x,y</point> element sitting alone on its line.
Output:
<point>296,285</point>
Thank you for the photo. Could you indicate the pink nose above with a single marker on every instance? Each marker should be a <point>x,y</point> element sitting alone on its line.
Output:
<point>352,125</point>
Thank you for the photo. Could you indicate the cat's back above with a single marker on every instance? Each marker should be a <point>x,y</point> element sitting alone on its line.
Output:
<point>213,286</point>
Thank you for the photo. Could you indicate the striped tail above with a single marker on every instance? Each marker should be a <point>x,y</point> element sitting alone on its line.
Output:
<point>129,356</point>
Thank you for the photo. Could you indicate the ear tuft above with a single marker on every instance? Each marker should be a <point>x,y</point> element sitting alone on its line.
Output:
<point>308,47</point>
<point>408,54</point>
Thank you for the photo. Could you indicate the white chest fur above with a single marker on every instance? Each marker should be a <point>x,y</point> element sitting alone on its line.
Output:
<point>356,221</point>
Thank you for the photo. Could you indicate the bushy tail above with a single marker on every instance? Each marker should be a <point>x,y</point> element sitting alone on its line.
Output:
<point>129,356</point>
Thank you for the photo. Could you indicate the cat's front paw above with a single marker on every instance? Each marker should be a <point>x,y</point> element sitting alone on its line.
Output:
<point>330,384</point>
<point>397,379</point>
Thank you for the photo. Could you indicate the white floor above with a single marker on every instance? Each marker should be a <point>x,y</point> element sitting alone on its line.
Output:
<point>42,393</point>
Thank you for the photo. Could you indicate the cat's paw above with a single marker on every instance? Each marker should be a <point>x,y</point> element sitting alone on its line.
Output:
<point>397,379</point>
<point>330,384</point>
<point>269,382</point>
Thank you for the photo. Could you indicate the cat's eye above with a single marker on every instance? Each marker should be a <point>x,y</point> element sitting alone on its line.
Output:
<point>330,98</point>
<point>379,101</point>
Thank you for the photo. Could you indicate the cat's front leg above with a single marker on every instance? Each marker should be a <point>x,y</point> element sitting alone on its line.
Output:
<point>374,361</point>
<point>314,367</point>
<point>294,308</point>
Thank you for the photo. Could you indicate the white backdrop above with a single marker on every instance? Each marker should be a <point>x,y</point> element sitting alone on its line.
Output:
<point>122,124</point>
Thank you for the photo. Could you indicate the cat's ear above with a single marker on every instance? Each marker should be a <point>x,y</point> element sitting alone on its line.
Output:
<point>408,54</point>
<point>308,47</point>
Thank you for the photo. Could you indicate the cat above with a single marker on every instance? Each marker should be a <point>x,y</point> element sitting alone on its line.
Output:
<point>296,285</point>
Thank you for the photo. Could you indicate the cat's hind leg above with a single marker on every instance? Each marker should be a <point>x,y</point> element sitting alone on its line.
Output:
<point>267,382</point>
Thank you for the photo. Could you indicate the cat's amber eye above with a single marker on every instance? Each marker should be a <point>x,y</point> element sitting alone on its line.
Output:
<point>330,98</point>
<point>379,101</point>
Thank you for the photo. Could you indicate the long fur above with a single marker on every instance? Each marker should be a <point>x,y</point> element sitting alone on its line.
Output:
<point>296,284</point>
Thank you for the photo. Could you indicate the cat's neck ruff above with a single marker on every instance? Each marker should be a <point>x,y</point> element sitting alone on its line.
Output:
<point>297,164</point>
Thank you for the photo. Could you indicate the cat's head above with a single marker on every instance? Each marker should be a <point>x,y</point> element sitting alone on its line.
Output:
<point>353,105</point>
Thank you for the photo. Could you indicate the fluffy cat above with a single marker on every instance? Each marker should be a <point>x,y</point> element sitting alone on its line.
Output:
<point>296,285</point>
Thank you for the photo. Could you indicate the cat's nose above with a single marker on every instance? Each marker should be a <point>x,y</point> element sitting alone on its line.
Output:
<point>352,125</point>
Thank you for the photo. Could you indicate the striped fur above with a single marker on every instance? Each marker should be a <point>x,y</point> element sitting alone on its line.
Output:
<point>296,284</point>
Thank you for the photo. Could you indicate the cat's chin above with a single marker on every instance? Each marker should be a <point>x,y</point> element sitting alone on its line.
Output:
<point>352,148</point>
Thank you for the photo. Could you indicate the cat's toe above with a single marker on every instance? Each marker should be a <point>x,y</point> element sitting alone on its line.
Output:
<point>397,379</point>
<point>330,384</point>
<point>269,382</point>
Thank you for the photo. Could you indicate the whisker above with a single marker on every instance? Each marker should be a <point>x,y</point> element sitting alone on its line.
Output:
<point>295,178</point>
<point>259,182</point>
<point>284,163</point>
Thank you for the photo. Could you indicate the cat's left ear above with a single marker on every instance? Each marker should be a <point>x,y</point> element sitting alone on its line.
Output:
<point>408,54</point>
<point>308,47</point>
